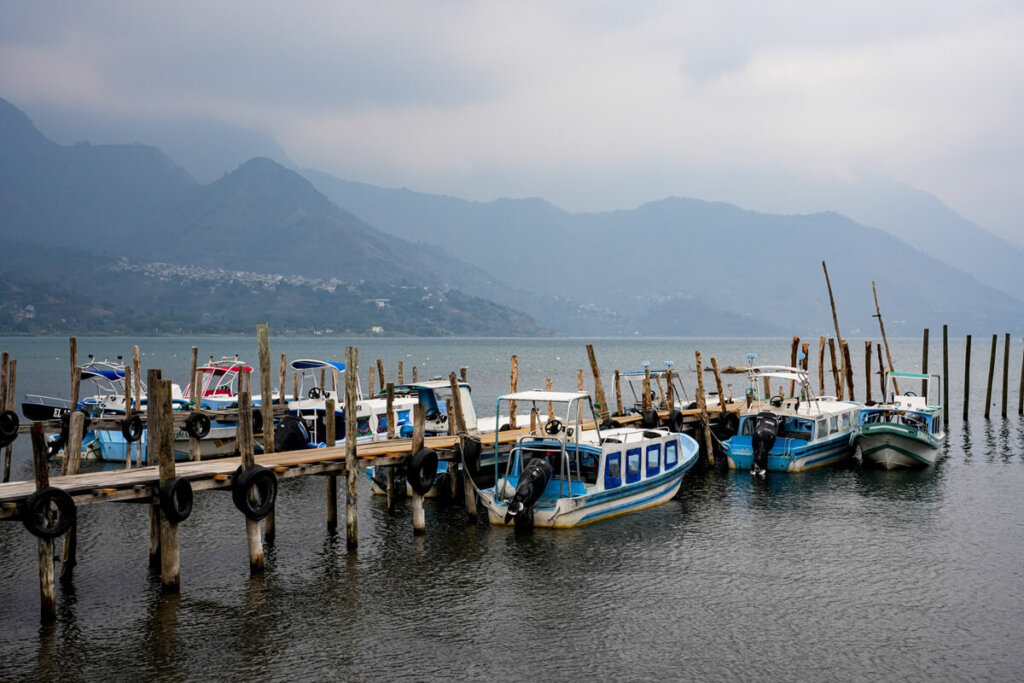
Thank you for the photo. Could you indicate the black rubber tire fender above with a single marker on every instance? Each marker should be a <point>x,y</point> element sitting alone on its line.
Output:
<point>256,480</point>
<point>131,428</point>
<point>48,513</point>
<point>421,470</point>
<point>611,423</point>
<point>9,423</point>
<point>729,424</point>
<point>176,499</point>
<point>257,420</point>
<point>676,422</point>
<point>649,420</point>
<point>471,449</point>
<point>197,425</point>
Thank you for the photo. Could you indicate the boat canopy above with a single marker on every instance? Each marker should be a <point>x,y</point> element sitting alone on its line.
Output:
<point>95,373</point>
<point>909,375</point>
<point>537,395</point>
<point>311,364</point>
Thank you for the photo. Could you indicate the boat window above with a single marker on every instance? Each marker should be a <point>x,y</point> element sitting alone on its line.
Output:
<point>632,465</point>
<point>653,460</point>
<point>588,467</point>
<point>796,428</point>
<point>363,426</point>
<point>613,471</point>
<point>846,421</point>
<point>382,423</point>
<point>747,427</point>
<point>671,454</point>
<point>833,424</point>
<point>936,424</point>
<point>822,428</point>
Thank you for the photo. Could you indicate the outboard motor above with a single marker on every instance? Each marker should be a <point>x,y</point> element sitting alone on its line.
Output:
<point>290,434</point>
<point>765,430</point>
<point>532,481</point>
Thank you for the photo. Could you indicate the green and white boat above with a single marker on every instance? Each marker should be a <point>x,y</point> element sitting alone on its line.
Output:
<point>904,431</point>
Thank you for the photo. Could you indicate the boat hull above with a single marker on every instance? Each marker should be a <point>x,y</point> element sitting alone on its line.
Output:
<point>787,457</point>
<point>895,445</point>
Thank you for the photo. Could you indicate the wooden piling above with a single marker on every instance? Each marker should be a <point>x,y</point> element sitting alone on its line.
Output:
<point>603,411</point>
<point>72,460</point>
<point>967,376</point>
<point>415,374</point>
<point>835,370</point>
<point>152,377</point>
<point>371,390</point>
<point>1020,391</point>
<point>1006,371</point>
<point>551,404</point>
<point>792,362</point>
<point>460,423</point>
<point>848,369</point>
<point>47,588</point>
<point>194,453</point>
<point>924,362</point>
<point>391,409</point>
<point>267,409</point>
<point>351,465</point>
<point>72,456</point>
<point>805,347</point>
<point>4,360</point>
<point>579,380</point>
<point>885,339</point>
<point>332,479</point>
<point>618,393</point>
<point>670,390</point>
<point>945,375</point>
<point>718,385</point>
<point>380,374</point>
<point>881,373</point>
<point>401,374</point>
<point>702,406</point>
<point>161,436</point>
<point>835,320</point>
<point>246,449</point>
<point>867,371</point>
<point>821,366</point>
<point>991,376</point>
<point>464,373</point>
<point>282,379</point>
<point>7,385</point>
<point>419,520</point>
<point>645,402</point>
<point>76,379</point>
<point>137,374</point>
<point>513,387</point>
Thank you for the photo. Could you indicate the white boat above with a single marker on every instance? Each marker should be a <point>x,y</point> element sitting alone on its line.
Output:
<point>790,433</point>
<point>572,472</point>
<point>905,430</point>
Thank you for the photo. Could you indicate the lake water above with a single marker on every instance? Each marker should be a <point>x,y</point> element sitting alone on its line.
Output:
<point>842,573</point>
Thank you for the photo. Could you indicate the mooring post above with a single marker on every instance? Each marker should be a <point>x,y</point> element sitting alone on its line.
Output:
<point>246,449</point>
<point>391,409</point>
<point>469,493</point>
<point>835,368</point>
<point>848,368</point>
<point>372,390</point>
<point>1006,371</point>
<point>551,404</point>
<point>415,374</point>
<point>267,410</point>
<point>282,379</point>
<point>924,363</point>
<point>1020,391</point>
<point>718,385</point>
<point>702,406</point>
<point>603,411</point>
<point>137,374</point>
<point>453,465</point>
<point>645,402</point>
<point>513,387</point>
<point>380,374</point>
<point>11,386</point>
<point>867,371</point>
<point>389,472</point>
<point>75,379</point>
<point>835,320</point>
<point>73,451</point>
<point>419,521</point>
<point>670,391</point>
<point>332,479</point>
<point>161,436</point>
<point>464,373</point>
<point>194,452</point>
<point>793,350</point>
<point>821,366</point>
<point>401,374</point>
<point>881,372</point>
<point>130,446</point>
<point>967,376</point>
<point>991,375</point>
<point>663,402</point>
<point>152,377</point>
<point>618,393</point>
<point>47,589</point>
<point>351,466</point>
<point>945,375</point>
<point>72,458</point>
<point>579,380</point>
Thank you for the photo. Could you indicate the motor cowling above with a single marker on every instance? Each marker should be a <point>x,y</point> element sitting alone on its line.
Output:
<point>766,429</point>
<point>535,477</point>
<point>290,434</point>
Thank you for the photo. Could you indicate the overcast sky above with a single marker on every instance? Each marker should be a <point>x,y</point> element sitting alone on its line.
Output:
<point>591,104</point>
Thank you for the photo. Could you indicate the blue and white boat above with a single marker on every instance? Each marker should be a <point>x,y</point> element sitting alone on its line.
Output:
<point>790,434</point>
<point>904,431</point>
<point>571,472</point>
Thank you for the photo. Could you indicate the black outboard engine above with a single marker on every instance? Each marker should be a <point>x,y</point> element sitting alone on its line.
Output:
<point>765,430</point>
<point>290,434</point>
<point>532,481</point>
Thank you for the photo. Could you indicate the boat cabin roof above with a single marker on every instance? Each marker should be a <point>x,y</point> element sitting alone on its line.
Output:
<point>553,396</point>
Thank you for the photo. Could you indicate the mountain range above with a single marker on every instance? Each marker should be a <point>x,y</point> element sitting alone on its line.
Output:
<point>128,234</point>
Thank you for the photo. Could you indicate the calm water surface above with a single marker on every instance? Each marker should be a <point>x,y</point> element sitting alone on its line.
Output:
<point>837,574</point>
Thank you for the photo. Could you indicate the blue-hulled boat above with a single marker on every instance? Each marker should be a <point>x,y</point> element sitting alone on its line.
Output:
<point>568,474</point>
<point>790,434</point>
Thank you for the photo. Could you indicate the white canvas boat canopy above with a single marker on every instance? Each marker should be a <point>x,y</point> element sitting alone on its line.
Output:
<point>553,396</point>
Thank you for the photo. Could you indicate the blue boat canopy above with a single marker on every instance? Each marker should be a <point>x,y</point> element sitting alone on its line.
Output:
<point>112,375</point>
<point>311,364</point>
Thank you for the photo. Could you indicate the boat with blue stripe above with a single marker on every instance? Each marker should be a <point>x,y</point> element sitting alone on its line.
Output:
<point>570,472</point>
<point>792,430</point>
<point>904,431</point>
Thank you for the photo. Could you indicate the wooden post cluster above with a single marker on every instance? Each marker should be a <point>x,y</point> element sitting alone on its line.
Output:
<point>703,408</point>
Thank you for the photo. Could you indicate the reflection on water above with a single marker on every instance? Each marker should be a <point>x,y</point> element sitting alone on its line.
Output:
<point>842,573</point>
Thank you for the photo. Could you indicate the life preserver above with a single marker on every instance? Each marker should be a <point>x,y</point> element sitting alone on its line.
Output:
<point>197,425</point>
<point>254,491</point>
<point>9,423</point>
<point>131,428</point>
<point>176,499</point>
<point>421,470</point>
<point>48,513</point>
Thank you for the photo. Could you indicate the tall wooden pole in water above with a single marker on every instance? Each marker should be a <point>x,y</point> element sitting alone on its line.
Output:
<point>1020,391</point>
<point>792,362</point>
<point>137,374</point>
<point>1006,371</point>
<point>152,377</point>
<point>821,366</point>
<point>332,479</point>
<point>598,386</point>
<point>47,589</point>
<point>246,449</point>
<point>881,373</point>
<point>885,340</point>
<point>460,424</point>
<point>6,390</point>
<point>419,522</point>
<point>967,376</point>
<point>835,369</point>
<point>718,385</point>
<point>351,466</point>
<point>991,375</point>
<point>73,456</point>
<point>867,371</point>
<point>161,435</point>
<point>945,374</point>
<point>924,363</point>
<point>848,368</point>
<point>194,452</point>
<point>703,407</point>
<point>513,387</point>
<point>267,410</point>
<point>835,320</point>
